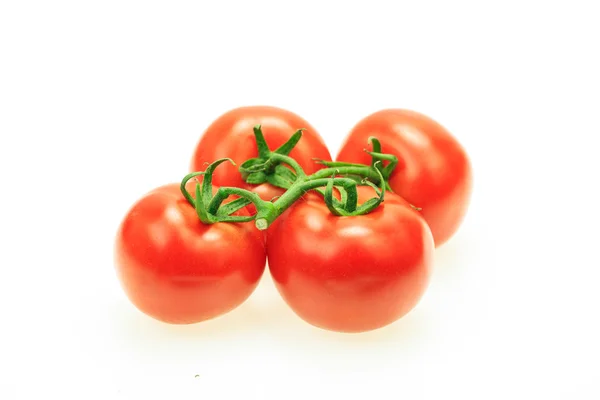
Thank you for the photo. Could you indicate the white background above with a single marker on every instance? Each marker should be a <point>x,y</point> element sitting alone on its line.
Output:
<point>102,101</point>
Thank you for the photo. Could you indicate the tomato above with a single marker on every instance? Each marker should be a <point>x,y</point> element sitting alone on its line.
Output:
<point>433,173</point>
<point>351,274</point>
<point>178,270</point>
<point>231,135</point>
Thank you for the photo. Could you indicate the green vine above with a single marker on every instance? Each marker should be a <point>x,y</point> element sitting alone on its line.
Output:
<point>278,169</point>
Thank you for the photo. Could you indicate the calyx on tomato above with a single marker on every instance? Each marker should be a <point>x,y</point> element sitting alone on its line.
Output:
<point>277,168</point>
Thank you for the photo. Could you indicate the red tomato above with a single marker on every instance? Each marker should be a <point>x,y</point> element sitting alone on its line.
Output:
<point>179,270</point>
<point>231,135</point>
<point>433,173</point>
<point>351,274</point>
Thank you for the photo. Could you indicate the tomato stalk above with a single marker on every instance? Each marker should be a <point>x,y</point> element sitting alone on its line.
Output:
<point>377,159</point>
<point>209,209</point>
<point>277,168</point>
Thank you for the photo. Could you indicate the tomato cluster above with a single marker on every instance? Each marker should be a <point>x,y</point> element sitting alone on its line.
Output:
<point>342,259</point>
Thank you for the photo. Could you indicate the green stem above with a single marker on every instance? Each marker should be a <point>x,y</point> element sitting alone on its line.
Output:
<point>361,170</point>
<point>289,145</point>
<point>183,189</point>
<point>289,161</point>
<point>347,169</point>
<point>225,192</point>
<point>375,147</point>
<point>292,195</point>
<point>261,143</point>
<point>270,167</point>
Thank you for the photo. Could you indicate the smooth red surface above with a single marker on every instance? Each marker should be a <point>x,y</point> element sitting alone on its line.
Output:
<point>231,135</point>
<point>179,270</point>
<point>433,173</point>
<point>350,274</point>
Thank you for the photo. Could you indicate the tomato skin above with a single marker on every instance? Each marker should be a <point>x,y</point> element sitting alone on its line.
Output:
<point>178,270</point>
<point>350,274</point>
<point>433,173</point>
<point>231,135</point>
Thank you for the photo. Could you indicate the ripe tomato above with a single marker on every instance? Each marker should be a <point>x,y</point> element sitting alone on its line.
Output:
<point>350,274</point>
<point>433,173</point>
<point>179,270</point>
<point>231,135</point>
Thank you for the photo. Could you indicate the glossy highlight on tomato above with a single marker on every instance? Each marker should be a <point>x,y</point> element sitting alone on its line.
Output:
<point>231,136</point>
<point>351,274</point>
<point>179,270</point>
<point>433,173</point>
